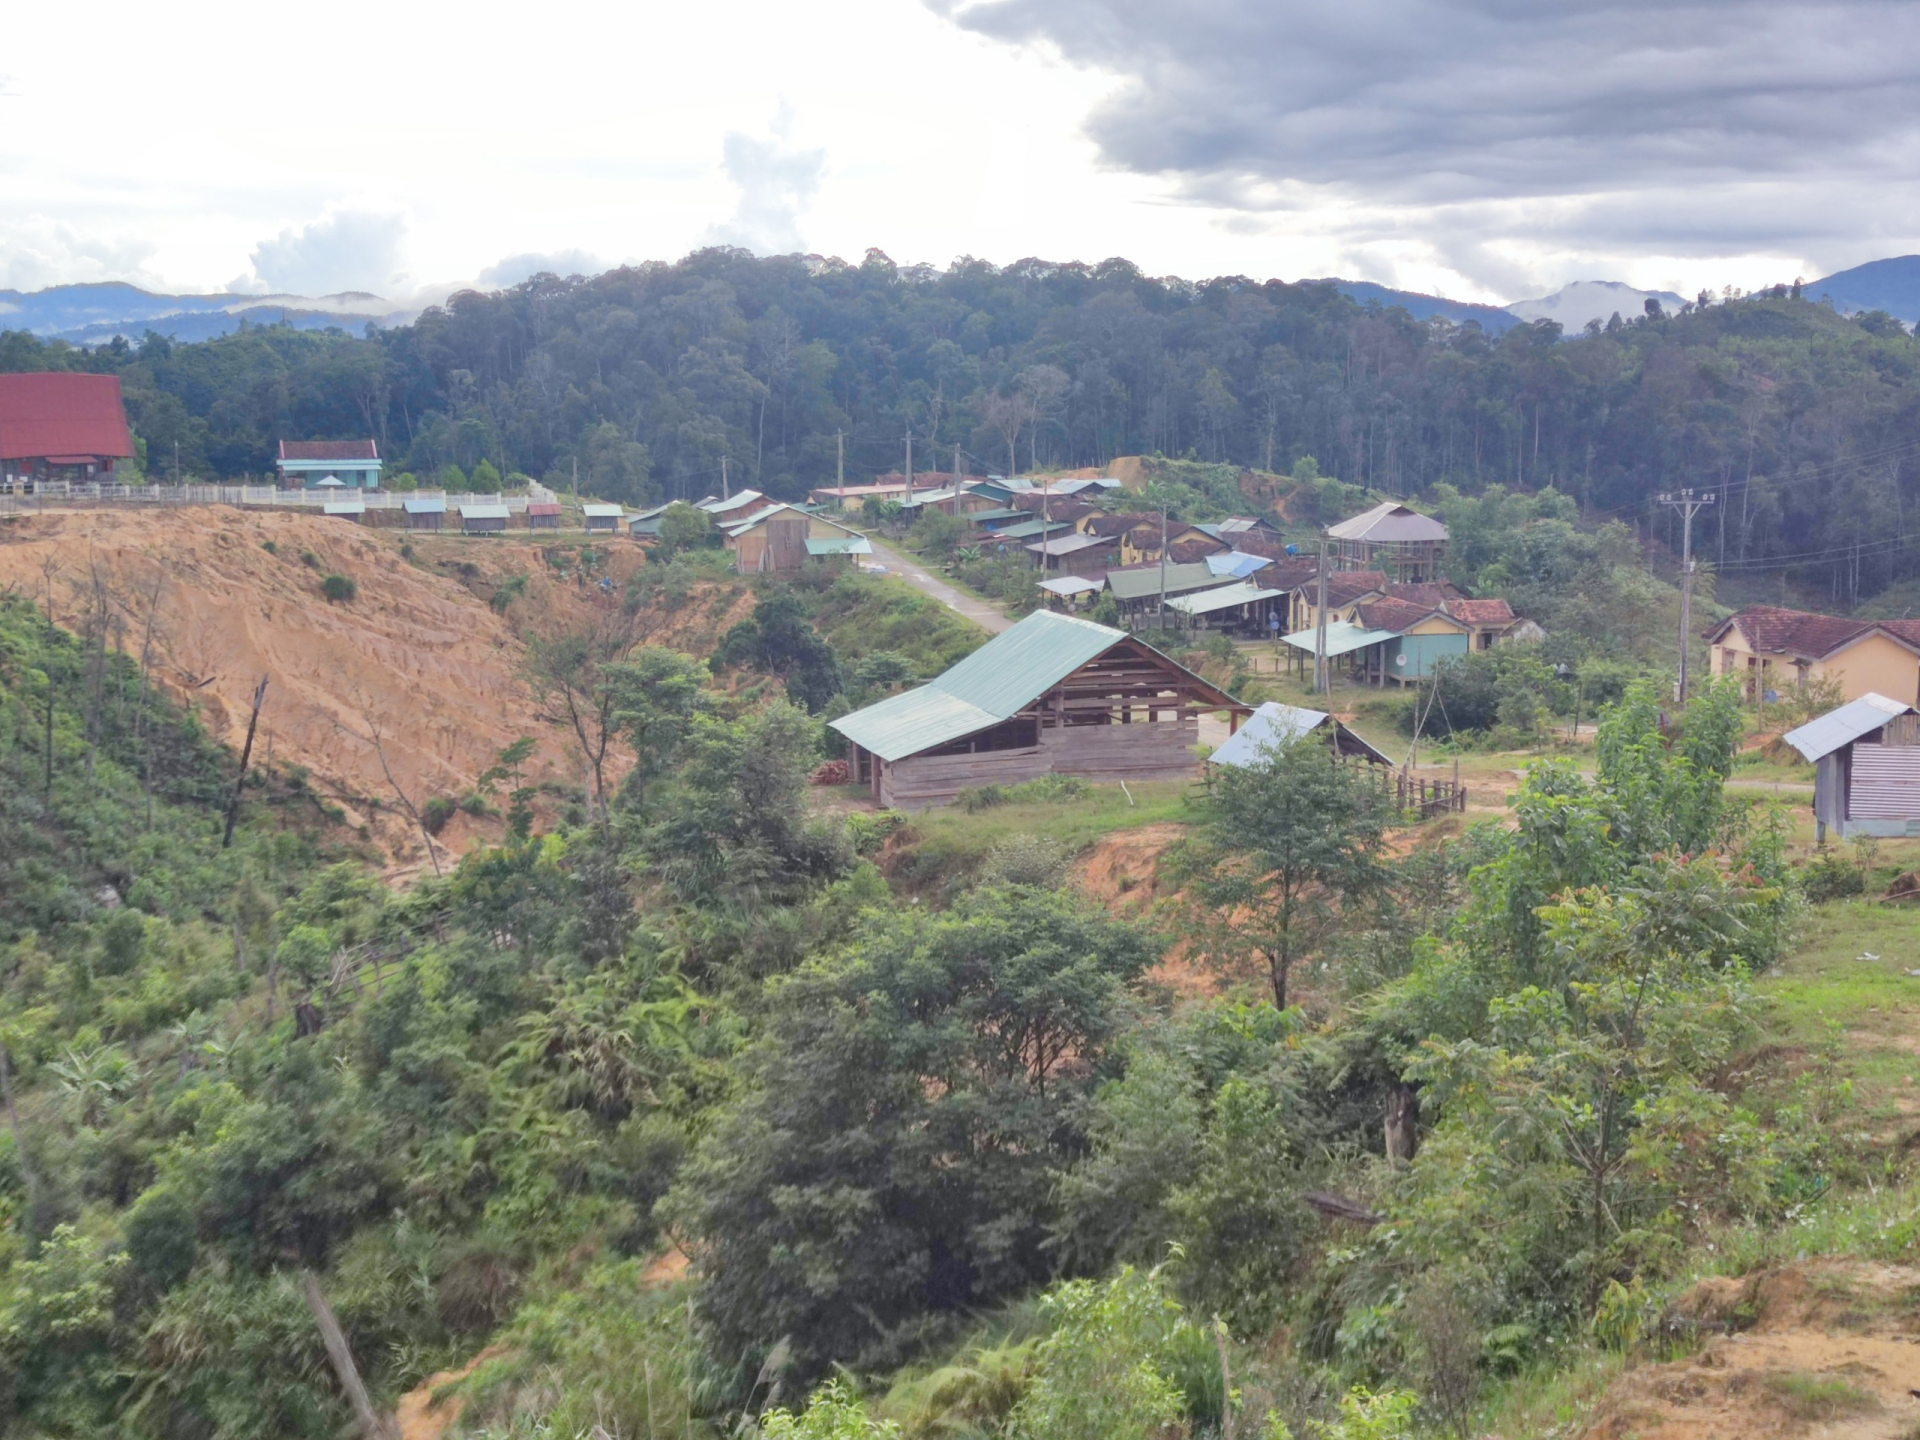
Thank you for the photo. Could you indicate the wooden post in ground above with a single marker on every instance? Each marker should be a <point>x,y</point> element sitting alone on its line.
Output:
<point>246,754</point>
<point>372,1425</point>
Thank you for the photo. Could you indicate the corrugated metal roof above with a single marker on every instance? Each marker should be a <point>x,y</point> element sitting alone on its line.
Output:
<point>484,512</point>
<point>1828,733</point>
<point>1236,563</point>
<point>1071,585</point>
<point>1068,544</point>
<point>987,687</point>
<point>602,512</point>
<point>1271,724</point>
<point>1342,638</point>
<point>1276,724</point>
<point>1031,530</point>
<point>1005,512</point>
<point>1205,602</point>
<point>731,503</point>
<point>1143,581</point>
<point>344,507</point>
<point>424,507</point>
<point>1389,523</point>
<point>840,545</point>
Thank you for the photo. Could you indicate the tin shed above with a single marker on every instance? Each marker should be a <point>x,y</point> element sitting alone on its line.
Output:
<point>483,519</point>
<point>1866,768</point>
<point>424,514</point>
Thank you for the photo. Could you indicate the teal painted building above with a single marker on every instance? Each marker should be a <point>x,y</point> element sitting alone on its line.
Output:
<point>329,465</point>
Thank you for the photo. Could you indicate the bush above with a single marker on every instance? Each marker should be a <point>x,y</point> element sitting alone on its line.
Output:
<point>338,589</point>
<point>1832,876</point>
<point>435,814</point>
<point>270,547</point>
<point>309,559</point>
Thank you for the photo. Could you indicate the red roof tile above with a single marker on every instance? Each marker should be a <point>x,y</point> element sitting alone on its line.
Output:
<point>1346,586</point>
<point>1775,630</point>
<point>1395,615</point>
<point>1480,612</point>
<point>46,413</point>
<point>328,450</point>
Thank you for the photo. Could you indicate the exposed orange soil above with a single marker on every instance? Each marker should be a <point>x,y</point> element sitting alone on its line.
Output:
<point>417,1415</point>
<point>417,658</point>
<point>1829,1349</point>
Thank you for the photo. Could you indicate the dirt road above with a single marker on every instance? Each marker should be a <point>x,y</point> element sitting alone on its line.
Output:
<point>909,569</point>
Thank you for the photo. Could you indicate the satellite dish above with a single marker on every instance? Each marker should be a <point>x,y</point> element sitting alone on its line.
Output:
<point>1399,659</point>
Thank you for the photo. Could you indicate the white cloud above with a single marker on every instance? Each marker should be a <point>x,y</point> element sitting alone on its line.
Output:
<point>36,252</point>
<point>344,250</point>
<point>515,268</point>
<point>777,181</point>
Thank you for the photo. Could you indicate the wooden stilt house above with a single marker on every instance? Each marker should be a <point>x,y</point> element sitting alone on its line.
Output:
<point>1055,695</point>
<point>424,514</point>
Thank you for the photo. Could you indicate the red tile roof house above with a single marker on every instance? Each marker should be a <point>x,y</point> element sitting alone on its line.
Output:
<point>329,465</point>
<point>1771,649</point>
<point>61,427</point>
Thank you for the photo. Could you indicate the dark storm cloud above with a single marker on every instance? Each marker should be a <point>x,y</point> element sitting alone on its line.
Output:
<point>1434,100</point>
<point>1725,109</point>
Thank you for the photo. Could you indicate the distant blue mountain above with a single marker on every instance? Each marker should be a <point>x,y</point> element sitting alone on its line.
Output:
<point>95,314</point>
<point>1889,285</point>
<point>1491,317</point>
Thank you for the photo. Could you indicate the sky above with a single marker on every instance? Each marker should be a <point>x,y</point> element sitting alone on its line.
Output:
<point>1483,149</point>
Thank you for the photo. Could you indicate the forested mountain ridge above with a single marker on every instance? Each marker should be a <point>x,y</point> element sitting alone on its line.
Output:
<point>647,378</point>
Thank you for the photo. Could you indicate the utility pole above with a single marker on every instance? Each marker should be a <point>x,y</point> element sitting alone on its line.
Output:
<point>575,491</point>
<point>958,473</point>
<point>839,458</point>
<point>909,466</point>
<point>176,462</point>
<point>1163,568</point>
<point>1688,504</point>
<point>1320,685</point>
<point>726,486</point>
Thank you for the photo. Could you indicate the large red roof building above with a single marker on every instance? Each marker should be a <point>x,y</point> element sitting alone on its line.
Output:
<point>57,426</point>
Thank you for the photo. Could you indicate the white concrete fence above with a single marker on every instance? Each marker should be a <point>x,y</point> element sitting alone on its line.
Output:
<point>63,494</point>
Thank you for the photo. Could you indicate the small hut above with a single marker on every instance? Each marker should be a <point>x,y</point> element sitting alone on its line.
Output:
<point>1276,724</point>
<point>425,514</point>
<point>543,517</point>
<point>352,511</point>
<point>603,519</point>
<point>483,519</point>
<point>1866,768</point>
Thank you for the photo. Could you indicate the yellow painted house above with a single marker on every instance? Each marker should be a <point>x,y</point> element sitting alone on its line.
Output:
<point>1770,648</point>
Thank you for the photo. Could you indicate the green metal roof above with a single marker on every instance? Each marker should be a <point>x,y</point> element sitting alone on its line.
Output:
<point>1225,598</point>
<point>1031,530</point>
<point>1005,512</point>
<point>990,685</point>
<point>1144,583</point>
<point>1342,638</point>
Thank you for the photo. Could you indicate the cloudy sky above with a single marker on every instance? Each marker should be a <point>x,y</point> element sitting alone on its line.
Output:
<point>1487,149</point>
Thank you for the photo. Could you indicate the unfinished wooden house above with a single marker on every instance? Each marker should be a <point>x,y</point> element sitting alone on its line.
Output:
<point>1055,695</point>
<point>1393,538</point>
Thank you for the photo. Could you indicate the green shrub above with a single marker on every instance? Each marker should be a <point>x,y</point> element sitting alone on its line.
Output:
<point>1832,876</point>
<point>270,547</point>
<point>309,559</point>
<point>339,589</point>
<point>435,814</point>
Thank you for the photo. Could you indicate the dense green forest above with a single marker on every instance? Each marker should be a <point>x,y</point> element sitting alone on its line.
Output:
<point>647,378</point>
<point>947,1164</point>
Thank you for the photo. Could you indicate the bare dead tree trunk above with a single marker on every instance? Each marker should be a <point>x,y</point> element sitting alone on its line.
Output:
<point>1403,1113</point>
<point>246,754</point>
<point>373,738</point>
<point>373,1425</point>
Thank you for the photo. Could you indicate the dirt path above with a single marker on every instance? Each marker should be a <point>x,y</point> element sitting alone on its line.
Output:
<point>909,569</point>
<point>1827,1349</point>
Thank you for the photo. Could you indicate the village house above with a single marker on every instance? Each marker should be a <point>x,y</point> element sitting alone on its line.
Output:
<point>1393,538</point>
<point>1054,695</point>
<point>1274,724</point>
<point>1074,554</point>
<point>782,538</point>
<point>1866,768</point>
<point>61,426</point>
<point>483,519</point>
<point>1770,649</point>
<point>424,514</point>
<point>602,519</point>
<point>543,516</point>
<point>1137,589</point>
<point>329,465</point>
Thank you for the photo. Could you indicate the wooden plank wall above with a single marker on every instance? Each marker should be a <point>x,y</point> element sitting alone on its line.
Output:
<point>1100,753</point>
